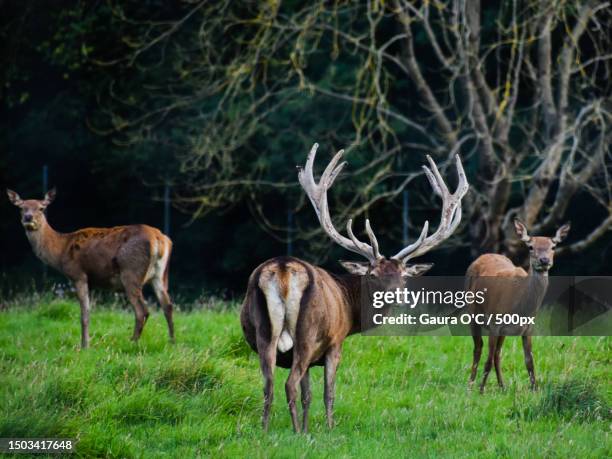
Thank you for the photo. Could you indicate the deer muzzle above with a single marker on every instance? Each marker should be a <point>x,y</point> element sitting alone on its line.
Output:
<point>29,224</point>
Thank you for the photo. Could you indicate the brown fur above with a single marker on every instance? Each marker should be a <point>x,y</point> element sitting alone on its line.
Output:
<point>492,264</point>
<point>297,315</point>
<point>119,258</point>
<point>520,292</point>
<point>329,311</point>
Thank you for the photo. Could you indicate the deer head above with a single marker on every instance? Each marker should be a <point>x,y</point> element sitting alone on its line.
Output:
<point>378,265</point>
<point>32,210</point>
<point>541,249</point>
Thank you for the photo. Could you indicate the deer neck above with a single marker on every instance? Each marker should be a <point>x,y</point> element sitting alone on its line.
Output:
<point>48,244</point>
<point>351,285</point>
<point>356,292</point>
<point>537,284</point>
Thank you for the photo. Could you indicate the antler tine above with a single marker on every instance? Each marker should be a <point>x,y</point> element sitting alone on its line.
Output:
<point>408,249</point>
<point>435,178</point>
<point>331,171</point>
<point>317,193</point>
<point>463,185</point>
<point>362,245</point>
<point>373,240</point>
<point>305,175</point>
<point>451,211</point>
<point>432,181</point>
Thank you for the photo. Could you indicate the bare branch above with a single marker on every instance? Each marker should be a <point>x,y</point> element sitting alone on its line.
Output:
<point>589,240</point>
<point>544,70</point>
<point>417,77</point>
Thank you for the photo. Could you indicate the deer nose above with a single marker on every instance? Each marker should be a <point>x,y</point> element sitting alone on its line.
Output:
<point>545,261</point>
<point>27,218</point>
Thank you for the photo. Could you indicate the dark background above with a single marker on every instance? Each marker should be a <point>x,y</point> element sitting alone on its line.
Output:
<point>51,94</point>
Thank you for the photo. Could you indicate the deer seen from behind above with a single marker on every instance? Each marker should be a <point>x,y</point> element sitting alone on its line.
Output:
<point>515,290</point>
<point>296,315</point>
<point>119,258</point>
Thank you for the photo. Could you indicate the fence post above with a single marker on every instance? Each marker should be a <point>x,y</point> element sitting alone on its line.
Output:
<point>289,231</point>
<point>45,187</point>
<point>167,210</point>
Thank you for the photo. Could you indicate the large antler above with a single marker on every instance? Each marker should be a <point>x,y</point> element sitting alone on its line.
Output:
<point>451,212</point>
<point>318,197</point>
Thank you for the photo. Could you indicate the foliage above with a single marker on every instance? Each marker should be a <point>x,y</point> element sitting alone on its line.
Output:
<point>240,91</point>
<point>223,99</point>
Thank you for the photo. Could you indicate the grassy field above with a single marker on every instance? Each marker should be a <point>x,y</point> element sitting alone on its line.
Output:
<point>396,396</point>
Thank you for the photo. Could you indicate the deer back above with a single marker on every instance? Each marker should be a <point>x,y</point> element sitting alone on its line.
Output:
<point>102,254</point>
<point>504,283</point>
<point>315,307</point>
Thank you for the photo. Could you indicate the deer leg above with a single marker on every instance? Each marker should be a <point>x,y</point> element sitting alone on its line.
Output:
<point>298,370</point>
<point>82,291</point>
<point>267,361</point>
<point>497,360</point>
<point>489,362</point>
<point>477,336</point>
<point>306,399</point>
<point>332,359</point>
<point>166,303</point>
<point>141,313</point>
<point>529,361</point>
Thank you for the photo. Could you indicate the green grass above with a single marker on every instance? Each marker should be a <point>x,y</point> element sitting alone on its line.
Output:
<point>396,396</point>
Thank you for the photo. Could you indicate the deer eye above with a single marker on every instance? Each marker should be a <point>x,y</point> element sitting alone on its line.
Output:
<point>530,248</point>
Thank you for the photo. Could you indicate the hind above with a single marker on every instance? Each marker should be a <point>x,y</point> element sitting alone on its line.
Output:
<point>283,286</point>
<point>161,249</point>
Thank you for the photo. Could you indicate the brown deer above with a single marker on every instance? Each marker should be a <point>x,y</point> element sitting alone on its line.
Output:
<point>119,258</point>
<point>296,315</point>
<point>518,291</point>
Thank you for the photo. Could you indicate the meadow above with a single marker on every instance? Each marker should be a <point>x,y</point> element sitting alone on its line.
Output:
<point>202,397</point>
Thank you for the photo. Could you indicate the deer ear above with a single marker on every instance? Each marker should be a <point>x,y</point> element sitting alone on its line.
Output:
<point>359,268</point>
<point>521,230</point>
<point>562,233</point>
<point>14,198</point>
<point>417,270</point>
<point>49,196</point>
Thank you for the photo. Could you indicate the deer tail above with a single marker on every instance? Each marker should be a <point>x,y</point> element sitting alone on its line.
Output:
<point>167,259</point>
<point>283,285</point>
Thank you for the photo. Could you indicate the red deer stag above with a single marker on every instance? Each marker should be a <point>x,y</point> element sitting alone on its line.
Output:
<point>525,294</point>
<point>123,257</point>
<point>296,315</point>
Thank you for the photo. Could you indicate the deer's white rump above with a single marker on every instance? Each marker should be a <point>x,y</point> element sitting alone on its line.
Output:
<point>283,295</point>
